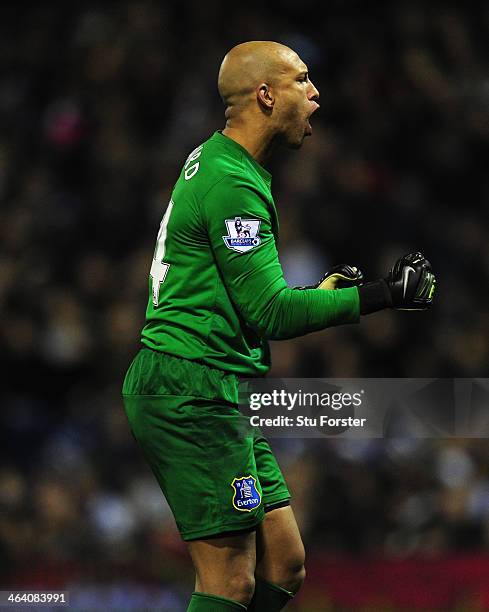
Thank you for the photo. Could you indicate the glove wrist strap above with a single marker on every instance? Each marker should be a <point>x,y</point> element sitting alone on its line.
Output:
<point>374,296</point>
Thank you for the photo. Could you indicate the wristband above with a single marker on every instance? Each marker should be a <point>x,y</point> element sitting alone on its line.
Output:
<point>374,296</point>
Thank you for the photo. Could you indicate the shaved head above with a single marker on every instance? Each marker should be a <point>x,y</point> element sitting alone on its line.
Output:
<point>268,95</point>
<point>249,64</point>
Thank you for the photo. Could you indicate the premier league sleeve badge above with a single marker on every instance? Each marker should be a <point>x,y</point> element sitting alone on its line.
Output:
<point>242,234</point>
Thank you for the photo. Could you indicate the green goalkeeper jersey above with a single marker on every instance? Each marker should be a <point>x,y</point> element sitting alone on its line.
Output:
<point>217,290</point>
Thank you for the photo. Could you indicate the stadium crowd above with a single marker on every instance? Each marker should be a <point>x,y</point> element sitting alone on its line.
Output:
<point>99,107</point>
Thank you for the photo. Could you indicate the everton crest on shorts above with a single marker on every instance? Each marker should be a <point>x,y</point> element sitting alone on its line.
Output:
<point>246,496</point>
<point>242,234</point>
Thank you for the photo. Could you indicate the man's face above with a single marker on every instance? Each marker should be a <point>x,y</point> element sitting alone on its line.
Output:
<point>296,100</point>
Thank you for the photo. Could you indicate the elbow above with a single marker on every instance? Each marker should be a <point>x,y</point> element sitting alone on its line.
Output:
<point>279,334</point>
<point>264,329</point>
<point>271,324</point>
<point>269,330</point>
<point>270,320</point>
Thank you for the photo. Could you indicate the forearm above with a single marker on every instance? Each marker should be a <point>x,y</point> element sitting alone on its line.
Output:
<point>292,313</point>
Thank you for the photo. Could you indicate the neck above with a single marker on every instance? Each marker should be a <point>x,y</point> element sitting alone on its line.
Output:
<point>257,142</point>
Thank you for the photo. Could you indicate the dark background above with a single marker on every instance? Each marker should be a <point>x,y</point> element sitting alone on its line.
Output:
<point>99,107</point>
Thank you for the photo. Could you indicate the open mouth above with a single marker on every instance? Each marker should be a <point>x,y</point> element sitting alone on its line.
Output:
<point>308,120</point>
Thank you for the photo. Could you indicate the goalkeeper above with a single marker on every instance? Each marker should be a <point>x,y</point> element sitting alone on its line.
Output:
<point>216,296</point>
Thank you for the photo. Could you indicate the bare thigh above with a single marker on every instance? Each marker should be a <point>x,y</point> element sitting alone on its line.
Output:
<point>280,551</point>
<point>225,566</point>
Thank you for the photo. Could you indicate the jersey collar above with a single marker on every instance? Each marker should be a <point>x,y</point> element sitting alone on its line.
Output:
<point>266,176</point>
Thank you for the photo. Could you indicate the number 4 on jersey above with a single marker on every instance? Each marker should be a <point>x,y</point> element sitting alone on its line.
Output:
<point>159,268</point>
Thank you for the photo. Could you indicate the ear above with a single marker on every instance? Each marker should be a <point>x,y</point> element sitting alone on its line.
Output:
<point>265,97</point>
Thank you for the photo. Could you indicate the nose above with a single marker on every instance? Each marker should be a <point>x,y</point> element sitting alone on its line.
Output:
<point>313,92</point>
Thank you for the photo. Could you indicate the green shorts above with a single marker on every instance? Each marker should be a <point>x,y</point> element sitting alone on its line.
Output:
<point>217,472</point>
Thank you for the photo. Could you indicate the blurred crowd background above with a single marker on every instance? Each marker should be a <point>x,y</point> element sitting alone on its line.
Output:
<point>99,107</point>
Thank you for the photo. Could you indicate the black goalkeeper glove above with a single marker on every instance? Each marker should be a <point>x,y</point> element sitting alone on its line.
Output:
<point>410,285</point>
<point>339,277</point>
